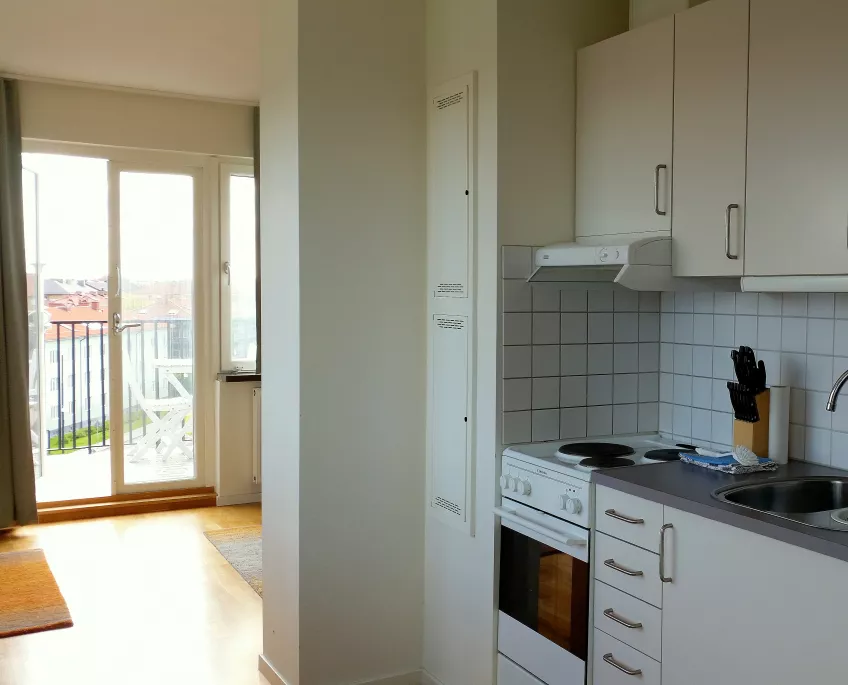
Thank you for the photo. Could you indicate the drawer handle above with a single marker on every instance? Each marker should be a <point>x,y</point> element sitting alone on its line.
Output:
<point>657,189</point>
<point>610,563</point>
<point>663,577</point>
<point>610,613</point>
<point>727,213</point>
<point>613,514</point>
<point>621,667</point>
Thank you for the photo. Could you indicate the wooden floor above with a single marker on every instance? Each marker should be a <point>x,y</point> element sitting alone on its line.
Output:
<point>152,600</point>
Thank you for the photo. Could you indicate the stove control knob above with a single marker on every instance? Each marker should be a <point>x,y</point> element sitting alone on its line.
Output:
<point>573,506</point>
<point>524,487</point>
<point>504,482</point>
<point>513,483</point>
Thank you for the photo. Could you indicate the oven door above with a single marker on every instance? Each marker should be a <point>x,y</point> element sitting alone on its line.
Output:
<point>544,594</point>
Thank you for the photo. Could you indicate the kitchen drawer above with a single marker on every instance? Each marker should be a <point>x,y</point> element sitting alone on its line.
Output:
<point>647,638</point>
<point>639,521</point>
<point>604,673</point>
<point>637,573</point>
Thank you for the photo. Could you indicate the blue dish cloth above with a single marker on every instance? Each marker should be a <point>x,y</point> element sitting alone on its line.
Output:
<point>722,460</point>
<point>726,463</point>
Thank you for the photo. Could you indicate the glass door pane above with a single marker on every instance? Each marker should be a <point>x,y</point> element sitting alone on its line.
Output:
<point>155,281</point>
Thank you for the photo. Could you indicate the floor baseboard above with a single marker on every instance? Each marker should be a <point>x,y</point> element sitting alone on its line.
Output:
<point>270,673</point>
<point>150,503</point>
<point>231,500</point>
<point>428,679</point>
<point>411,678</point>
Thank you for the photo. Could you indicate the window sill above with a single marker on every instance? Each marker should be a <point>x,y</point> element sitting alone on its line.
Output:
<point>240,377</point>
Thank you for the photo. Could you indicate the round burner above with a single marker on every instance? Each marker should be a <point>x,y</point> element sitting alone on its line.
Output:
<point>606,462</point>
<point>608,450</point>
<point>663,455</point>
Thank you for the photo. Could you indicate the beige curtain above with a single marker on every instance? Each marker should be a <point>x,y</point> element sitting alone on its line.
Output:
<point>17,478</point>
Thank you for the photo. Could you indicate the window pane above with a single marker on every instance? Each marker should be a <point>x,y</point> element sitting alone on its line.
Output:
<point>242,222</point>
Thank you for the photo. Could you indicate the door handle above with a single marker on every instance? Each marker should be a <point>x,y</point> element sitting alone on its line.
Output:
<point>612,513</point>
<point>610,563</point>
<point>663,578</point>
<point>118,327</point>
<point>228,269</point>
<point>621,667</point>
<point>727,213</point>
<point>657,189</point>
<point>610,614</point>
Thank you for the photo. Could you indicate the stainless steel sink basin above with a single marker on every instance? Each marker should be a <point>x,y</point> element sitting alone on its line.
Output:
<point>821,502</point>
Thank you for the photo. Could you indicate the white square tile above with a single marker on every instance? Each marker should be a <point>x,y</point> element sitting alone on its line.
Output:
<point>601,328</point>
<point>516,394</point>
<point>649,417</point>
<point>797,406</point>
<point>572,391</point>
<point>721,397</point>
<point>702,424</point>
<point>683,390</point>
<point>667,328</point>
<point>794,304</point>
<point>626,300</point>
<point>746,331</point>
<point>625,419</point>
<point>572,423</point>
<point>599,390</point>
<point>649,357</point>
<point>600,301</point>
<point>819,373</point>
<point>840,338</point>
<point>840,417</point>
<point>667,357</point>
<point>840,364</point>
<point>768,332</point>
<point>684,302</point>
<point>517,261</point>
<point>703,334</point>
<point>573,301</point>
<point>546,329</point>
<point>625,388</point>
<point>817,446</point>
<point>517,361</point>
<point>666,417</point>
<point>516,427</point>
<point>771,304</point>
<point>516,296</point>
<point>725,303</point>
<point>702,361</point>
<point>702,393</point>
<point>720,448</point>
<point>797,438</point>
<point>598,421</point>
<point>794,334</point>
<point>626,358</point>
<point>820,305</point>
<point>573,329</point>
<point>626,327</point>
<point>842,305</point>
<point>649,327</point>
<point>684,328</point>
<point>682,421</point>
<point>819,336</point>
<point>704,303</point>
<point>722,428</point>
<point>746,303</point>
<point>723,364</point>
<point>545,298</point>
<point>667,302</point>
<point>793,369</point>
<point>545,360</point>
<point>600,359</point>
<point>573,361</point>
<point>545,425</point>
<point>771,360</point>
<point>724,330</point>
<point>817,416</point>
<point>546,394</point>
<point>517,329</point>
<point>649,387</point>
<point>683,359</point>
<point>839,450</point>
<point>666,387</point>
<point>649,302</point>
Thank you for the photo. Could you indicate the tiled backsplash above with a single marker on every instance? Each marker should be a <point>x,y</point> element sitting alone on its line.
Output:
<point>580,363</point>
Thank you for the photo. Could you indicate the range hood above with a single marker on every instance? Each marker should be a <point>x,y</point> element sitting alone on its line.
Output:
<point>642,264</point>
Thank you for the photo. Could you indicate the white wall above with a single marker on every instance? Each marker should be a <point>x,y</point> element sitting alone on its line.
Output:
<point>343,252</point>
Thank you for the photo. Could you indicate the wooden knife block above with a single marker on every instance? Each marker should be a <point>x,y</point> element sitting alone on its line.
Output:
<point>754,436</point>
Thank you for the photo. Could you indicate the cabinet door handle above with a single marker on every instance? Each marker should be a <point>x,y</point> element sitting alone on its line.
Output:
<point>612,513</point>
<point>727,213</point>
<point>610,563</point>
<point>621,667</point>
<point>610,613</point>
<point>657,189</point>
<point>663,578</point>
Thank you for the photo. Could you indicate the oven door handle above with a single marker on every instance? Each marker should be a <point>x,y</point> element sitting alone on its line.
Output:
<point>509,515</point>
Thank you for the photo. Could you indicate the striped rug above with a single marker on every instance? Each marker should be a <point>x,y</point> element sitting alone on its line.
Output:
<point>242,548</point>
<point>30,600</point>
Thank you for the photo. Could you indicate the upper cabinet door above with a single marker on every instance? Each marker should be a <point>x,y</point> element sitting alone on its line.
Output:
<point>625,106</point>
<point>710,118</point>
<point>797,199</point>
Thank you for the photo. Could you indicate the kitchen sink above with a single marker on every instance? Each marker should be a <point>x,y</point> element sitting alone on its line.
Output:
<point>821,502</point>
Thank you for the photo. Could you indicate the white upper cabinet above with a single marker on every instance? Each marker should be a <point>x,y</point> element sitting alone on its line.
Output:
<point>797,197</point>
<point>710,119</point>
<point>625,107</point>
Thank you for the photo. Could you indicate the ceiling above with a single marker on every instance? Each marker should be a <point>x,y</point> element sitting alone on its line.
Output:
<point>208,48</point>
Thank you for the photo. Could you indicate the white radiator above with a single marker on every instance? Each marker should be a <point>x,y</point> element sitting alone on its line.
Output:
<point>257,435</point>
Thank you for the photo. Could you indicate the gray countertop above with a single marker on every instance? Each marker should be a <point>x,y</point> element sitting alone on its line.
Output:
<point>689,488</point>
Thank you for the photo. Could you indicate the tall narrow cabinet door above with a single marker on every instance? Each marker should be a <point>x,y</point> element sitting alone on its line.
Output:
<point>797,213</point>
<point>710,122</point>
<point>625,107</point>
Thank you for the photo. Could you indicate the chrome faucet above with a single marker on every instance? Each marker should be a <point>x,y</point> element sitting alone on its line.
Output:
<point>834,393</point>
